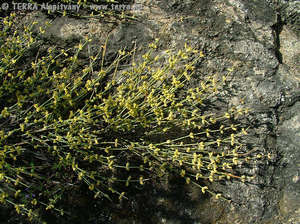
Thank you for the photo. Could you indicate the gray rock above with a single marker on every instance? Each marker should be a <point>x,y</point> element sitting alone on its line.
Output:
<point>259,40</point>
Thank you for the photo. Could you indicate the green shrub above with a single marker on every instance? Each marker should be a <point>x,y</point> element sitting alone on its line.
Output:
<point>65,123</point>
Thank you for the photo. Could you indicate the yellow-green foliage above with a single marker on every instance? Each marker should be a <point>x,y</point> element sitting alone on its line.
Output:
<point>64,123</point>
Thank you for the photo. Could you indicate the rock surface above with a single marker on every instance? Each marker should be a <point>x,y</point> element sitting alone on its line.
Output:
<point>260,41</point>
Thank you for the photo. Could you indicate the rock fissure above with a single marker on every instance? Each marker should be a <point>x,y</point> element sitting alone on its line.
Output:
<point>277,28</point>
